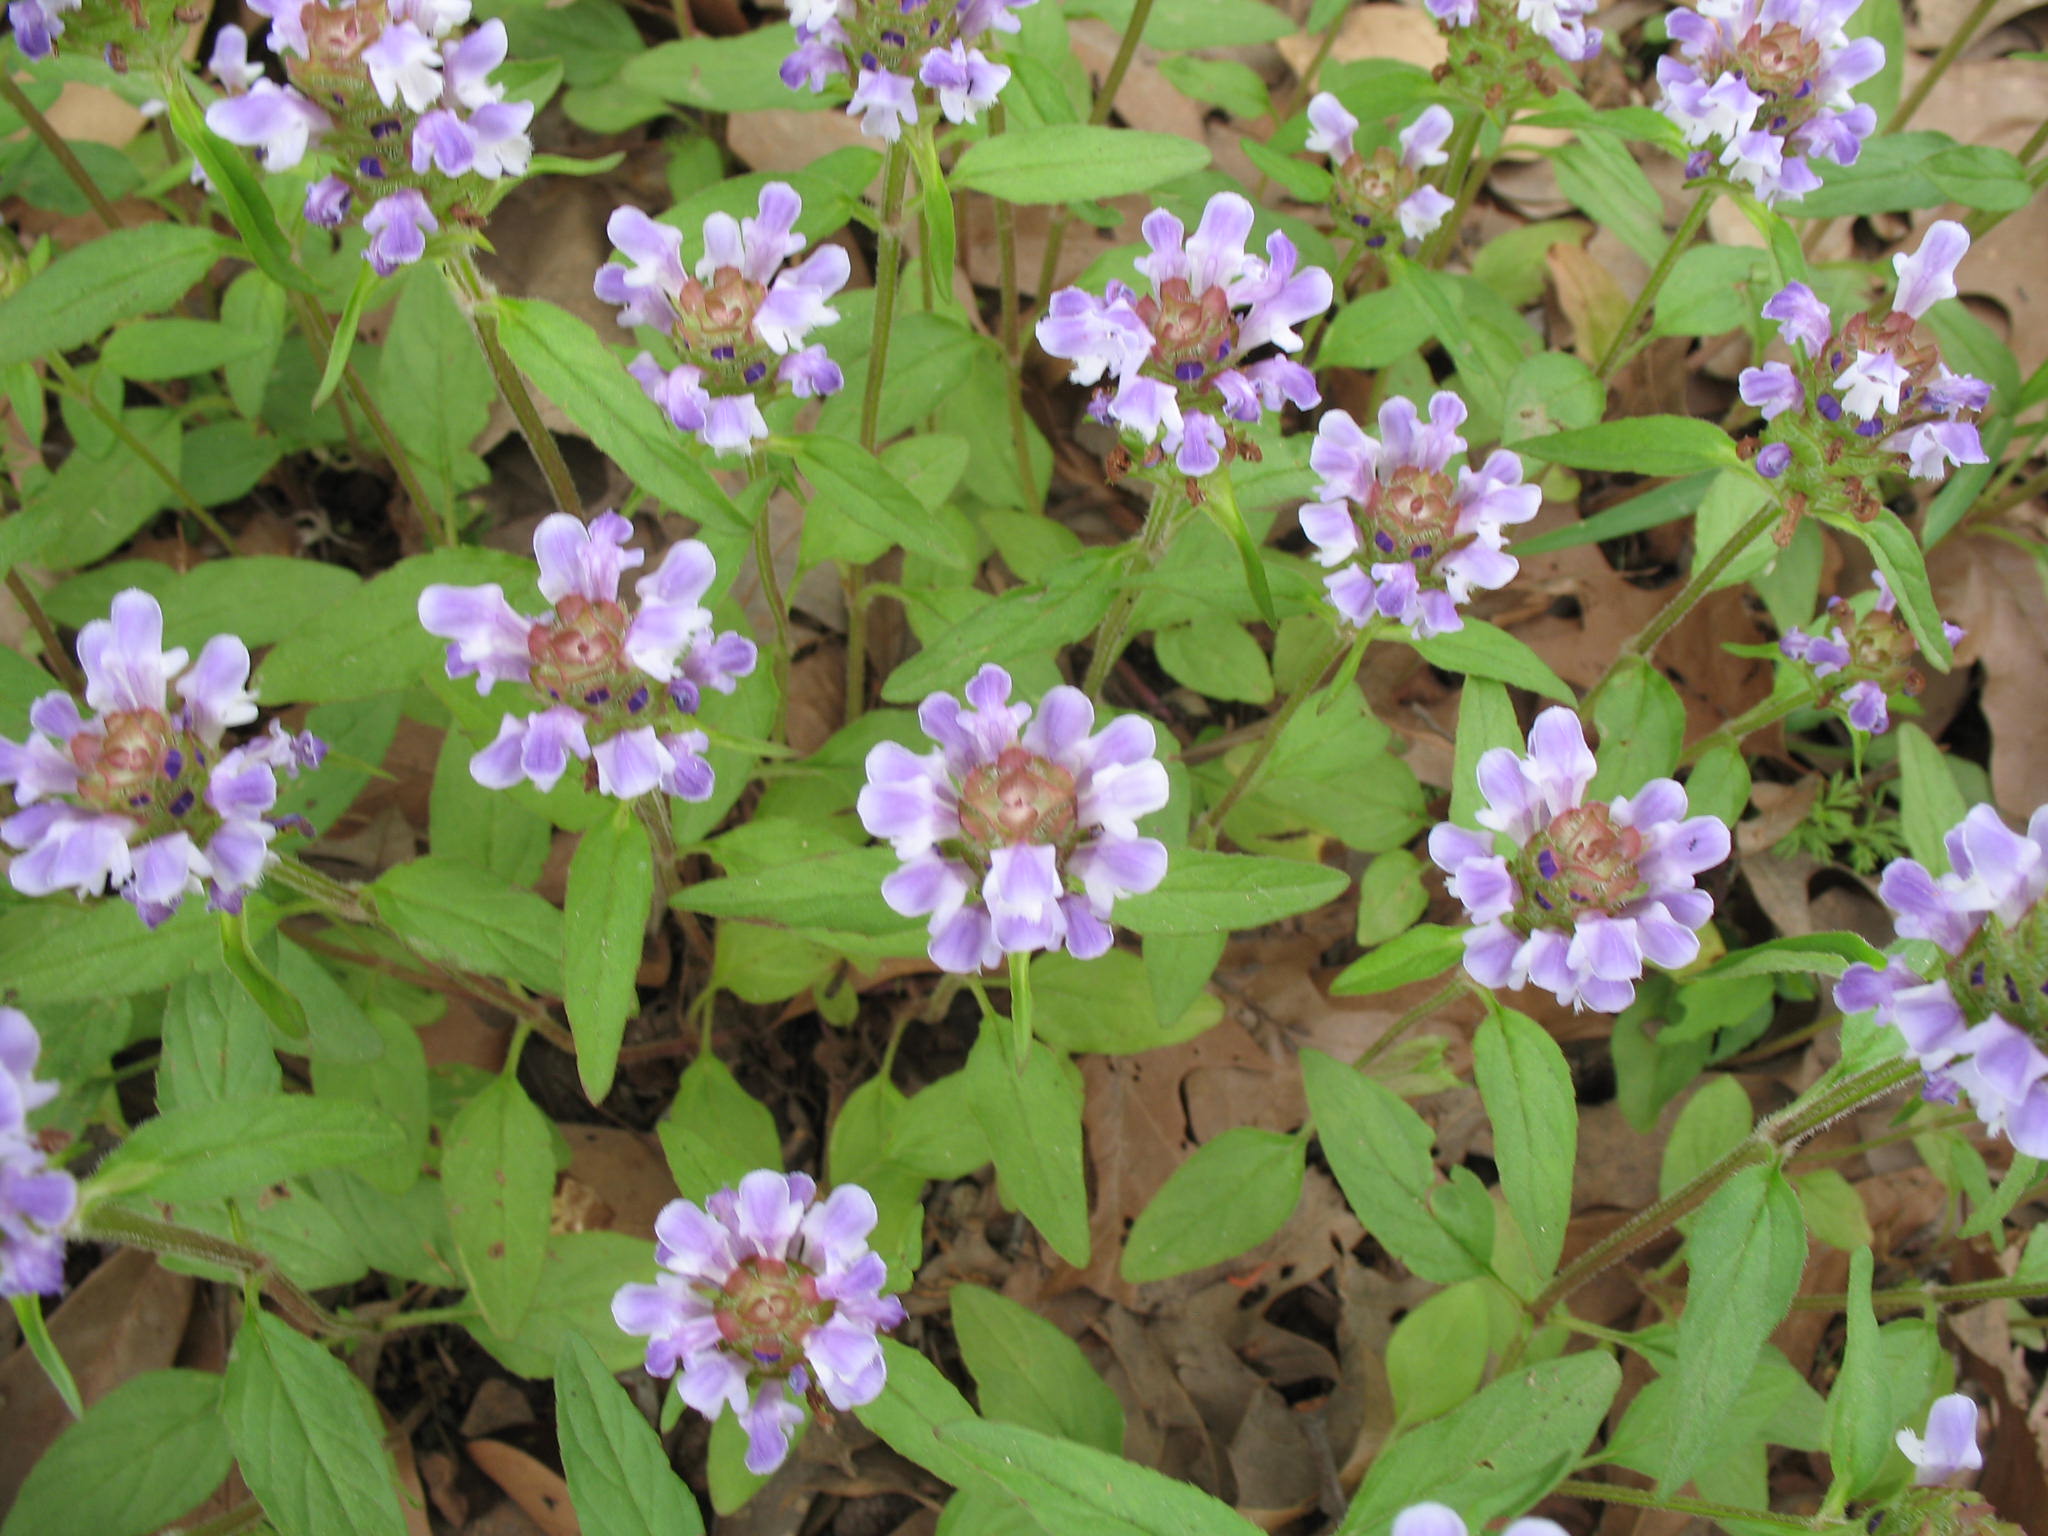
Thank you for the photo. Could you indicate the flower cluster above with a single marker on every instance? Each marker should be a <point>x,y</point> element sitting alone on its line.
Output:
<point>141,797</point>
<point>769,1291</point>
<point>739,322</point>
<point>1441,1520</point>
<point>1866,396</point>
<point>1411,543</point>
<point>617,691</point>
<point>35,1201</point>
<point>888,48</point>
<point>397,95</point>
<point>1950,1444</point>
<point>1174,354</point>
<point>134,34</point>
<point>1760,85</point>
<point>1592,889</point>
<point>1387,189</point>
<point>1016,837</point>
<point>1975,1012</point>
<point>1862,665</point>
<point>1505,47</point>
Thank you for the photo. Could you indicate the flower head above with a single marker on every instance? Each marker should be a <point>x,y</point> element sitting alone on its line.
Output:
<point>1386,190</point>
<point>1504,49</point>
<point>1179,358</point>
<point>1950,1445</point>
<point>1016,836</point>
<point>140,796</point>
<point>36,1201</point>
<point>1441,1520</point>
<point>738,319</point>
<point>1410,542</point>
<point>1975,1015</point>
<point>888,49</point>
<point>1862,658</point>
<point>617,690</point>
<point>1591,889</point>
<point>770,1297</point>
<point>1869,396</point>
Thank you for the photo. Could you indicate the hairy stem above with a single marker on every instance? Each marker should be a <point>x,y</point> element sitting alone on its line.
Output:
<point>112,420</point>
<point>1749,722</point>
<point>1312,678</point>
<point>60,659</point>
<point>1681,239</point>
<point>1643,1498</point>
<point>1161,519</point>
<point>1010,331</point>
<point>778,607</point>
<point>1957,42</point>
<point>472,297</point>
<point>1427,1008</point>
<point>1909,1298</point>
<point>1467,172</point>
<point>53,141</point>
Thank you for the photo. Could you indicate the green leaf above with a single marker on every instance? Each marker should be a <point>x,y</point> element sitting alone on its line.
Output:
<point>306,1436</point>
<point>1022,623</point>
<point>1747,1252</point>
<point>100,500</point>
<point>1069,1487</point>
<point>1719,783</point>
<point>1375,329</point>
<point>498,1178</point>
<point>120,273</point>
<point>1426,950</point>
<point>1028,1372</point>
<point>1217,660</point>
<point>484,827</point>
<point>1379,1150</point>
<point>1653,508</point>
<point>345,328</point>
<point>1033,1120</point>
<point>1641,445</point>
<point>395,1082</point>
<point>1232,1194</point>
<point>1496,1455</point>
<point>144,1454</point>
<point>456,912</point>
<point>853,482</point>
<point>1822,954</point>
<point>277,1003</point>
<point>1486,719</point>
<point>436,388</point>
<point>572,367</point>
<point>249,210</point>
<point>715,1133</point>
<point>611,886</point>
<point>1479,649</point>
<point>715,74</point>
<point>1642,724</point>
<point>1107,1005</point>
<point>1194,23</point>
<point>1527,1089</point>
<point>1929,801</point>
<point>1235,87</point>
<point>1549,392</point>
<point>1834,1211</point>
<point>1223,892</point>
<point>1714,289</point>
<point>61,952</point>
<point>1596,171</point>
<point>580,1273</point>
<point>173,349</point>
<point>1391,896</point>
<point>620,1479</point>
<point>1713,1123</point>
<point>1436,1355</point>
<point>1899,556</point>
<point>840,892</point>
<point>216,1046</point>
<point>214,1151</point>
<point>1074,162</point>
<point>915,1402</point>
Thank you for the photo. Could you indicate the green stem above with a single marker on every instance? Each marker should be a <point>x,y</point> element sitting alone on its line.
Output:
<point>53,141</point>
<point>59,658</point>
<point>1211,822</point>
<point>473,295</point>
<point>112,421</point>
<point>35,1332</point>
<point>2025,491</point>
<point>1643,1498</point>
<point>1958,40</point>
<point>337,898</point>
<point>1697,585</point>
<point>653,812</point>
<point>1020,1009</point>
<point>1681,239</point>
<point>1782,1130</point>
<point>1010,331</point>
<point>1427,1008</point>
<point>778,605</point>
<point>1749,722</point>
<point>1467,172</point>
<point>1161,519</point>
<point>1909,1298</point>
<point>2035,141</point>
<point>1312,337</point>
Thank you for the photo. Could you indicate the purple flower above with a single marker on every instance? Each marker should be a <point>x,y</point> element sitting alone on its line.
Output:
<point>1441,1520</point>
<point>1773,460</point>
<point>616,691</point>
<point>1929,275</point>
<point>1330,127</point>
<point>38,24</point>
<point>965,80</point>
<point>887,50</point>
<point>1950,1445</point>
<point>1212,305</point>
<point>398,226</point>
<point>885,103</point>
<point>771,1298</point>
<point>1591,890</point>
<point>36,1201</point>
<point>1410,543</point>
<point>229,61</point>
<point>1803,321</point>
<point>1016,837</point>
<point>740,321</point>
<point>140,798</point>
<point>442,141</point>
<point>1560,23</point>
<point>1772,389</point>
<point>403,61</point>
<point>274,118</point>
<point>1864,658</point>
<point>1974,1013</point>
<point>327,202</point>
<point>1763,85</point>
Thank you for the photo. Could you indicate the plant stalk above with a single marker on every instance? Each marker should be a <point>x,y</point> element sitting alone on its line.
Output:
<point>1957,42</point>
<point>1467,171</point>
<point>1009,330</point>
<point>1643,1498</point>
<point>1161,519</point>
<point>1211,824</point>
<point>1908,1298</point>
<point>1681,240</point>
<point>472,296</point>
<point>1748,723</point>
<point>60,659</point>
<point>53,141</point>
<point>112,421</point>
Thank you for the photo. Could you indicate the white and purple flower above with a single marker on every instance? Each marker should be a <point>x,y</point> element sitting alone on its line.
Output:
<point>1864,664</point>
<point>772,1297</point>
<point>1759,86</point>
<point>1590,891</point>
<point>1948,1447</point>
<point>1434,1519</point>
<point>738,322</point>
<point>617,691</point>
<point>1871,396</point>
<point>1016,837</point>
<point>141,797</point>
<point>1974,1012</point>
<point>1411,543</point>
<point>36,1201</point>
<point>1386,190</point>
<point>1178,360</point>
<point>1500,36</point>
<point>38,24</point>
<point>887,49</point>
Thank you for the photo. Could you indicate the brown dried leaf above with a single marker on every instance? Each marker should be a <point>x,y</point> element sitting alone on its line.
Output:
<point>537,1488</point>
